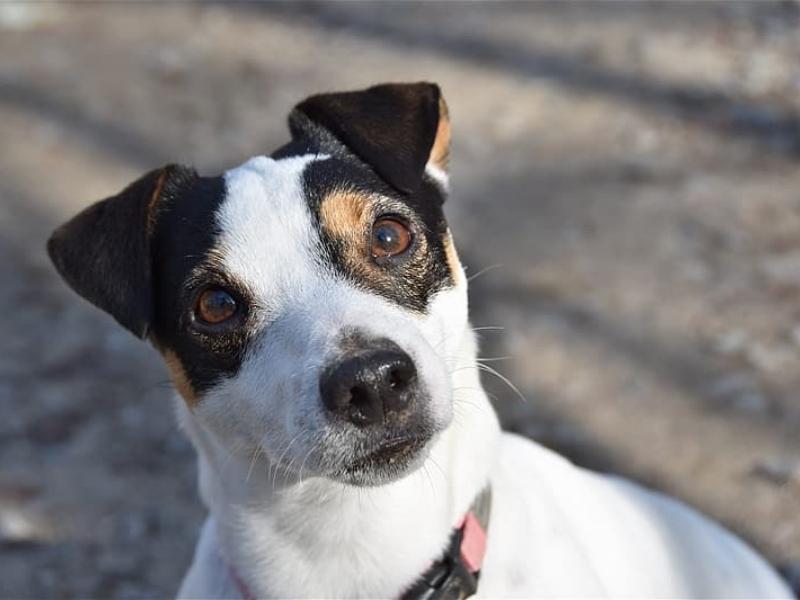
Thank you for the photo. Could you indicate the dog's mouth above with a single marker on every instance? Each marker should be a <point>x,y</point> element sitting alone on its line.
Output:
<point>390,452</point>
<point>390,460</point>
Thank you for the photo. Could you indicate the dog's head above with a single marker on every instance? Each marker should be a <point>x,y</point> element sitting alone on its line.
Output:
<point>309,305</point>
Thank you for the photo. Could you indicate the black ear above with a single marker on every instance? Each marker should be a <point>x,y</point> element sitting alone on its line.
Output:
<point>392,127</point>
<point>103,253</point>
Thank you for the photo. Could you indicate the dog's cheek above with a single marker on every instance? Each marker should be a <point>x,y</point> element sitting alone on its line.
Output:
<point>446,317</point>
<point>221,412</point>
<point>437,375</point>
<point>273,396</point>
<point>446,322</point>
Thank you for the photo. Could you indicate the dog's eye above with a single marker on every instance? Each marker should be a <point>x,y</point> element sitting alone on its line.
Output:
<point>390,237</point>
<point>214,305</point>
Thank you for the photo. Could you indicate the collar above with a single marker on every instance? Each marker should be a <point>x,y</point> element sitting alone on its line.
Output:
<point>454,576</point>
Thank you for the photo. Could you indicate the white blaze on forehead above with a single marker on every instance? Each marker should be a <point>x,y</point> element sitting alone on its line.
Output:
<point>267,239</point>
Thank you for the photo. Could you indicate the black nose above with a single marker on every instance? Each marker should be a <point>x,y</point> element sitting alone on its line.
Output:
<point>370,386</point>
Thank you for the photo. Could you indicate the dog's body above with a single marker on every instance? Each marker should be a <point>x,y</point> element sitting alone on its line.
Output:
<point>313,314</point>
<point>555,530</point>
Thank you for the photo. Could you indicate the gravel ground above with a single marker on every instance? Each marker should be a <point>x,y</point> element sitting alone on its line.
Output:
<point>626,195</point>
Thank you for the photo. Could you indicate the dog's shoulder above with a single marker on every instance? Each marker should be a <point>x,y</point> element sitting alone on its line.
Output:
<point>603,535</point>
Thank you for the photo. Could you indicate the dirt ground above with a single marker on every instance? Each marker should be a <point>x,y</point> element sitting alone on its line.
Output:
<point>626,195</point>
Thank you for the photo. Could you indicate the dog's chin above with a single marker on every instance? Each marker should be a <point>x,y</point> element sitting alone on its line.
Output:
<point>388,462</point>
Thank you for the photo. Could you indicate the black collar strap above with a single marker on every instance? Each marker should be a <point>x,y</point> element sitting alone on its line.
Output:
<point>455,575</point>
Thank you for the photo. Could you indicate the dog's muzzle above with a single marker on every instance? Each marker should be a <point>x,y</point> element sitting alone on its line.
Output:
<point>379,405</point>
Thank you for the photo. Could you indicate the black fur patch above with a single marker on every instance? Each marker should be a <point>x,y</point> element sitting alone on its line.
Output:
<point>410,282</point>
<point>103,252</point>
<point>183,265</point>
<point>391,127</point>
<point>143,256</point>
<point>380,140</point>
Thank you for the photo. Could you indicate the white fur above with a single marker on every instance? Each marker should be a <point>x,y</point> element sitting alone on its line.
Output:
<point>439,175</point>
<point>555,530</point>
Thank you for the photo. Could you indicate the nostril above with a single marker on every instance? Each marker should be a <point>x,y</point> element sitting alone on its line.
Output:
<point>364,406</point>
<point>400,378</point>
<point>394,380</point>
<point>358,396</point>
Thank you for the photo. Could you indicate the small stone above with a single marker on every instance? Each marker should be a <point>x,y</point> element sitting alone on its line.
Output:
<point>730,342</point>
<point>739,391</point>
<point>730,384</point>
<point>777,472</point>
<point>57,428</point>
<point>18,526</point>
<point>750,401</point>
<point>20,16</point>
<point>767,358</point>
<point>171,63</point>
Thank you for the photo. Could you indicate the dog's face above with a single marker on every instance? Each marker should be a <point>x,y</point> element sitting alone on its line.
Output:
<point>309,305</point>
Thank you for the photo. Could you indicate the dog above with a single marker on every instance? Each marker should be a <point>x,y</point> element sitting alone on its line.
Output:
<point>311,309</point>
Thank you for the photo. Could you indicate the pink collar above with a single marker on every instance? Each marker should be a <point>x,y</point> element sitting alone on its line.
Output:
<point>473,542</point>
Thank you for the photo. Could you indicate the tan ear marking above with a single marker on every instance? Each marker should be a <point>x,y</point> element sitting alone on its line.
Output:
<point>452,259</point>
<point>154,198</point>
<point>440,152</point>
<point>179,378</point>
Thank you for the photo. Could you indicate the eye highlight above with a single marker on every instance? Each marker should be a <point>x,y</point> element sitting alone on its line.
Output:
<point>390,237</point>
<point>214,306</point>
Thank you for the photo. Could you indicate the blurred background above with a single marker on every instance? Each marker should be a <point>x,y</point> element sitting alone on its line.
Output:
<point>626,197</point>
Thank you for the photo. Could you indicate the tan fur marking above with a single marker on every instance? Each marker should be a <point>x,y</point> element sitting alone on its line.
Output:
<point>452,259</point>
<point>344,216</point>
<point>440,153</point>
<point>151,205</point>
<point>179,377</point>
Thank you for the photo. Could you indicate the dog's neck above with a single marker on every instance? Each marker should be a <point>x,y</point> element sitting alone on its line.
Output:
<point>315,537</point>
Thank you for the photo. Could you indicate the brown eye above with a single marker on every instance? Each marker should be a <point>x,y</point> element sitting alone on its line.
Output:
<point>390,237</point>
<point>215,305</point>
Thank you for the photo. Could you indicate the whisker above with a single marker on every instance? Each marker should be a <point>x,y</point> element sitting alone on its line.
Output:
<point>489,328</point>
<point>256,452</point>
<point>492,358</point>
<point>464,368</point>
<point>428,477</point>
<point>303,464</point>
<point>504,379</point>
<point>484,271</point>
<point>459,402</point>
<point>279,462</point>
<point>436,464</point>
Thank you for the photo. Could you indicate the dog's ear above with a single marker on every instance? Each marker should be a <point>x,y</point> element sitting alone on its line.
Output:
<point>103,253</point>
<point>398,129</point>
